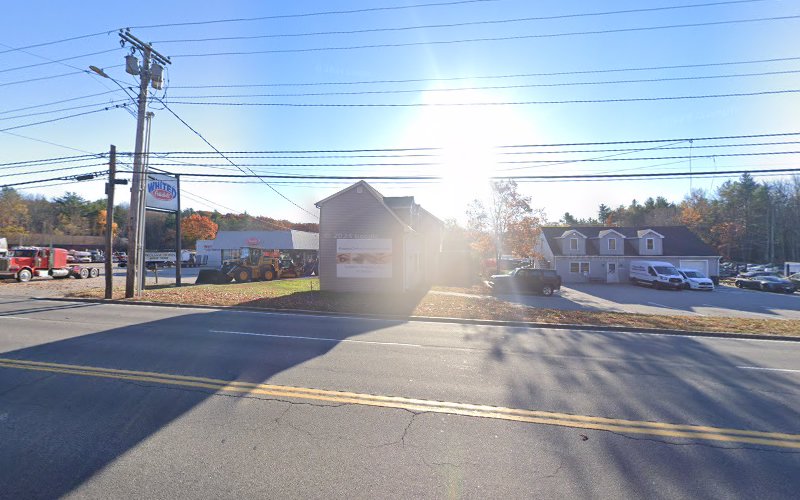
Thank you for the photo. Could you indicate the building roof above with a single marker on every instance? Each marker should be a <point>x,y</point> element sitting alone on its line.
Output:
<point>271,240</point>
<point>678,240</point>
<point>403,208</point>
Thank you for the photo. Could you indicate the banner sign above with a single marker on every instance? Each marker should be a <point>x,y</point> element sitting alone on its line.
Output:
<point>364,258</point>
<point>162,192</point>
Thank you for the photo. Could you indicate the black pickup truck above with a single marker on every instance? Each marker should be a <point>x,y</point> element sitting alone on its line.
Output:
<point>523,279</point>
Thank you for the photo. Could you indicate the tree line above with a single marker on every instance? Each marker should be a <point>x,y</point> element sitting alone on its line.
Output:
<point>70,214</point>
<point>744,220</point>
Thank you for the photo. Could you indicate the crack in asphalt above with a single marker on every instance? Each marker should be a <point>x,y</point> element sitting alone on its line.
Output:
<point>27,383</point>
<point>698,443</point>
<point>414,414</point>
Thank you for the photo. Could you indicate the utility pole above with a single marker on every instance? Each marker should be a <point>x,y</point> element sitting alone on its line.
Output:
<point>178,235</point>
<point>148,72</point>
<point>112,172</point>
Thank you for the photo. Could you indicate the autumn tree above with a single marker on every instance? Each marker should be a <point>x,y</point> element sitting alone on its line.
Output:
<point>14,217</point>
<point>197,227</point>
<point>101,223</point>
<point>508,224</point>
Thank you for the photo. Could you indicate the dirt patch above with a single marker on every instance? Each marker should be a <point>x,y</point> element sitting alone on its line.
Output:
<point>467,303</point>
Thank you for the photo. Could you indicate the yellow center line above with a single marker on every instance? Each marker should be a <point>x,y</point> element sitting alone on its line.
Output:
<point>778,439</point>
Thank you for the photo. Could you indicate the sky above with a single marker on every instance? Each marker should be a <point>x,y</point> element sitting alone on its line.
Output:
<point>455,91</point>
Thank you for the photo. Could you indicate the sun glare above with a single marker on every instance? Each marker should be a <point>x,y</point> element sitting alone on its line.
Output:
<point>469,137</point>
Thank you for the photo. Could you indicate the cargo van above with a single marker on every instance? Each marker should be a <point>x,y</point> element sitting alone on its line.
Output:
<point>656,274</point>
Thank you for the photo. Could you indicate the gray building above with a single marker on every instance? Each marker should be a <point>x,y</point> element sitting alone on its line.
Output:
<point>374,243</point>
<point>228,244</point>
<point>603,254</point>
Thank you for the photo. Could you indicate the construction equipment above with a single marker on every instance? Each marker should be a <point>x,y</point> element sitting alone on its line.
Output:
<point>253,264</point>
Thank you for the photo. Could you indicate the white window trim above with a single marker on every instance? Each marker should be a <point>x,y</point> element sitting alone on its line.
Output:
<point>588,266</point>
<point>576,244</point>
<point>648,242</point>
<point>609,243</point>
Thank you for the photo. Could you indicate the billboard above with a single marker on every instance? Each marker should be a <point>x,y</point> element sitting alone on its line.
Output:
<point>161,192</point>
<point>364,258</point>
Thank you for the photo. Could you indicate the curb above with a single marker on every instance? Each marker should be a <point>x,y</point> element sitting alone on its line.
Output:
<point>434,319</point>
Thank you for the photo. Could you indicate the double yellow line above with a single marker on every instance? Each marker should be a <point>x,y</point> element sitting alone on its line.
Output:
<point>692,432</point>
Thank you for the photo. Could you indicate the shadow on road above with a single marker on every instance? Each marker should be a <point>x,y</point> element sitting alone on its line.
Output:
<point>642,378</point>
<point>56,437</point>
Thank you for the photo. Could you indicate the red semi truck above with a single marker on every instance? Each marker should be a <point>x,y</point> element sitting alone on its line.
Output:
<point>23,263</point>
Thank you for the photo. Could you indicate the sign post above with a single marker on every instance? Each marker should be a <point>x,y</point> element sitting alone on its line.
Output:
<point>163,195</point>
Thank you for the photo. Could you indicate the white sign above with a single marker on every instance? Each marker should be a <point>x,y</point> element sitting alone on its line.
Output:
<point>161,192</point>
<point>364,258</point>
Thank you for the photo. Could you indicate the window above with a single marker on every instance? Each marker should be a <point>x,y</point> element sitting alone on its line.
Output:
<point>579,267</point>
<point>612,244</point>
<point>650,243</point>
<point>573,243</point>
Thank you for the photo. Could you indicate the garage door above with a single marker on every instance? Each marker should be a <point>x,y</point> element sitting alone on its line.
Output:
<point>697,265</point>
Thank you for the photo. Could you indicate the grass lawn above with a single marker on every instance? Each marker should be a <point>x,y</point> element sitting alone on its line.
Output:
<point>471,303</point>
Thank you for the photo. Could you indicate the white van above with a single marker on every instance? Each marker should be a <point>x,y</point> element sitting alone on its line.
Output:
<point>656,274</point>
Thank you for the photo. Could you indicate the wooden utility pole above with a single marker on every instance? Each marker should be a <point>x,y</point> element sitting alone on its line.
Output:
<point>112,172</point>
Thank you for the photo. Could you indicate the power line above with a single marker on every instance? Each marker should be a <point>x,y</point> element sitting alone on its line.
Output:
<point>56,61</point>
<point>491,87</point>
<point>58,102</point>
<point>228,159</point>
<point>496,103</point>
<point>61,110</point>
<point>64,178</point>
<point>532,145</point>
<point>258,155</point>
<point>42,141</point>
<point>492,39</point>
<point>653,175</point>
<point>612,157</point>
<point>448,25</point>
<point>64,117</point>
<point>91,35</point>
<point>503,76</point>
<point>43,44</point>
<point>44,161</point>
<point>309,14</point>
<point>76,167</point>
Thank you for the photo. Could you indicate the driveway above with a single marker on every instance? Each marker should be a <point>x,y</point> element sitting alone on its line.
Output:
<point>724,301</point>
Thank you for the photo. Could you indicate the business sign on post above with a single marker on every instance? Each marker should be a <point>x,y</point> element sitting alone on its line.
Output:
<point>364,258</point>
<point>162,192</point>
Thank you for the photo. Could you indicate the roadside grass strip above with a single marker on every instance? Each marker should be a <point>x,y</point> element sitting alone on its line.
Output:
<point>685,431</point>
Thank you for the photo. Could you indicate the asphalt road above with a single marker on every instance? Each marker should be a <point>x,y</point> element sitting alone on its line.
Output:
<point>110,401</point>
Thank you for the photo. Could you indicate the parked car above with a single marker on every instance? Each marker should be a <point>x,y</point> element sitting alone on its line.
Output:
<point>795,278</point>
<point>83,257</point>
<point>523,279</point>
<point>756,274</point>
<point>695,280</point>
<point>767,284</point>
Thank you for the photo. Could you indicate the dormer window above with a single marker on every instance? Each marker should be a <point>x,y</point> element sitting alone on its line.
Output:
<point>650,243</point>
<point>612,244</point>
<point>573,243</point>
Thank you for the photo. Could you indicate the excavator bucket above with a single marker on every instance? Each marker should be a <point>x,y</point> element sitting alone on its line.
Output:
<point>212,277</point>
